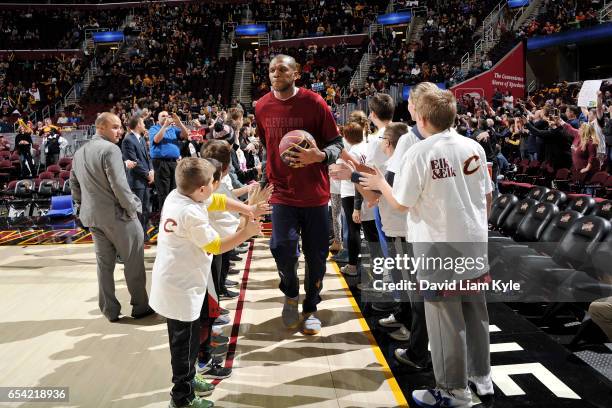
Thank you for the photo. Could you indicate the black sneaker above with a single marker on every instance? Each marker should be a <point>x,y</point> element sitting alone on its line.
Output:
<point>146,313</point>
<point>230,283</point>
<point>233,271</point>
<point>229,294</point>
<point>219,351</point>
<point>217,372</point>
<point>235,258</point>
<point>223,311</point>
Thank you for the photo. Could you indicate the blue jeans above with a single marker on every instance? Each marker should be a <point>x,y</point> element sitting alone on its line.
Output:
<point>312,223</point>
<point>381,235</point>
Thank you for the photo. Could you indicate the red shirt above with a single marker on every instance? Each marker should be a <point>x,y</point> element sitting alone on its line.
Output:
<point>307,186</point>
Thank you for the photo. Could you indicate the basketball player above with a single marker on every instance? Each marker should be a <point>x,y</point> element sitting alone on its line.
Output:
<point>300,197</point>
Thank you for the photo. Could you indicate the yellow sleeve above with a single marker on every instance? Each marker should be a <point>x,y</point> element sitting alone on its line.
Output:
<point>218,202</point>
<point>213,247</point>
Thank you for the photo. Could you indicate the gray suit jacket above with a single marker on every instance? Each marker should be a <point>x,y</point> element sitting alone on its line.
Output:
<point>99,184</point>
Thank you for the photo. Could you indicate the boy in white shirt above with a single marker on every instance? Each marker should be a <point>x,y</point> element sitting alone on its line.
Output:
<point>446,189</point>
<point>182,267</point>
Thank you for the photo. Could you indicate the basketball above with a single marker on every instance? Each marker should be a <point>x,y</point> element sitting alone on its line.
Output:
<point>291,140</point>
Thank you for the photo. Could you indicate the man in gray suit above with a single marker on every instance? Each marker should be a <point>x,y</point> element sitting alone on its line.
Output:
<point>110,210</point>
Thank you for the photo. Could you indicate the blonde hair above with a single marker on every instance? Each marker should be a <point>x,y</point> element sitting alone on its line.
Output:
<point>192,173</point>
<point>438,108</point>
<point>419,89</point>
<point>587,132</point>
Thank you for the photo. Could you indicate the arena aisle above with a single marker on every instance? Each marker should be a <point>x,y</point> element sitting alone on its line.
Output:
<point>49,305</point>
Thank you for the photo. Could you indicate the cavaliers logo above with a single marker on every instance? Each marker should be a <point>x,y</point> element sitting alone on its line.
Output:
<point>566,218</point>
<point>169,225</point>
<point>468,168</point>
<point>579,203</point>
<point>541,209</point>
<point>524,206</point>
<point>607,207</point>
<point>588,227</point>
<point>536,193</point>
<point>550,197</point>
<point>503,200</point>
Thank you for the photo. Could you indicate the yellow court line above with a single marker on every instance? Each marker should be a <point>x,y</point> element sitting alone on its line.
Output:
<point>395,388</point>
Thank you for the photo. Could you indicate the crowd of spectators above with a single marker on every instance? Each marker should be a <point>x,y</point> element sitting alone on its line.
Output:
<point>547,127</point>
<point>56,28</point>
<point>27,86</point>
<point>311,18</point>
<point>561,15</point>
<point>325,70</point>
<point>171,59</point>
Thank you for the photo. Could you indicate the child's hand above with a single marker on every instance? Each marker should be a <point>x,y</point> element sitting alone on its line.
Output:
<point>259,195</point>
<point>372,181</point>
<point>260,209</point>
<point>253,228</point>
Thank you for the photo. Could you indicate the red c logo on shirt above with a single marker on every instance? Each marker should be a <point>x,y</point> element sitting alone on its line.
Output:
<point>169,223</point>
<point>466,165</point>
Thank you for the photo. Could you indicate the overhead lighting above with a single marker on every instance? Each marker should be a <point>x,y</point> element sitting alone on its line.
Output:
<point>254,43</point>
<point>399,33</point>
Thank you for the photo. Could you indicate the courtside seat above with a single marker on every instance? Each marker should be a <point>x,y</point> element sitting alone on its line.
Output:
<point>603,209</point>
<point>513,220</point>
<point>61,206</point>
<point>529,230</point>
<point>500,209</point>
<point>572,252</point>
<point>538,193</point>
<point>581,203</point>
<point>555,197</point>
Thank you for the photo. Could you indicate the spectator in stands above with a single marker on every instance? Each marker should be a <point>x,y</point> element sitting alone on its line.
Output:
<point>23,146</point>
<point>4,144</point>
<point>52,147</point>
<point>165,151</point>
<point>63,119</point>
<point>5,127</point>
<point>573,114</point>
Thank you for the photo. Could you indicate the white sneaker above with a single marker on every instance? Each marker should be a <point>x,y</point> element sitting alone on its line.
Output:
<point>401,334</point>
<point>439,398</point>
<point>389,321</point>
<point>349,270</point>
<point>483,384</point>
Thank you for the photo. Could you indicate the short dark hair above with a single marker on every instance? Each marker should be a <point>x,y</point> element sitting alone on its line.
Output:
<point>394,131</point>
<point>133,122</point>
<point>219,150</point>
<point>383,106</point>
<point>575,110</point>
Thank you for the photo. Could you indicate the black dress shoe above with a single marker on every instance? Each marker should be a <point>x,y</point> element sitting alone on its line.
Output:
<point>113,319</point>
<point>230,283</point>
<point>233,271</point>
<point>235,258</point>
<point>146,313</point>
<point>229,294</point>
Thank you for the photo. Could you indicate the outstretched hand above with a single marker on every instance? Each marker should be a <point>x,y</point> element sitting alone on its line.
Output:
<point>372,181</point>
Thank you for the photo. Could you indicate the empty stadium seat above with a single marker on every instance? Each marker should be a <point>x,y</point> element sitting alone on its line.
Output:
<point>538,193</point>
<point>581,203</point>
<point>501,208</point>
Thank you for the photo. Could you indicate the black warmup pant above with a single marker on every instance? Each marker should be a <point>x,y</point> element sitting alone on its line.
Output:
<point>164,178</point>
<point>184,338</point>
